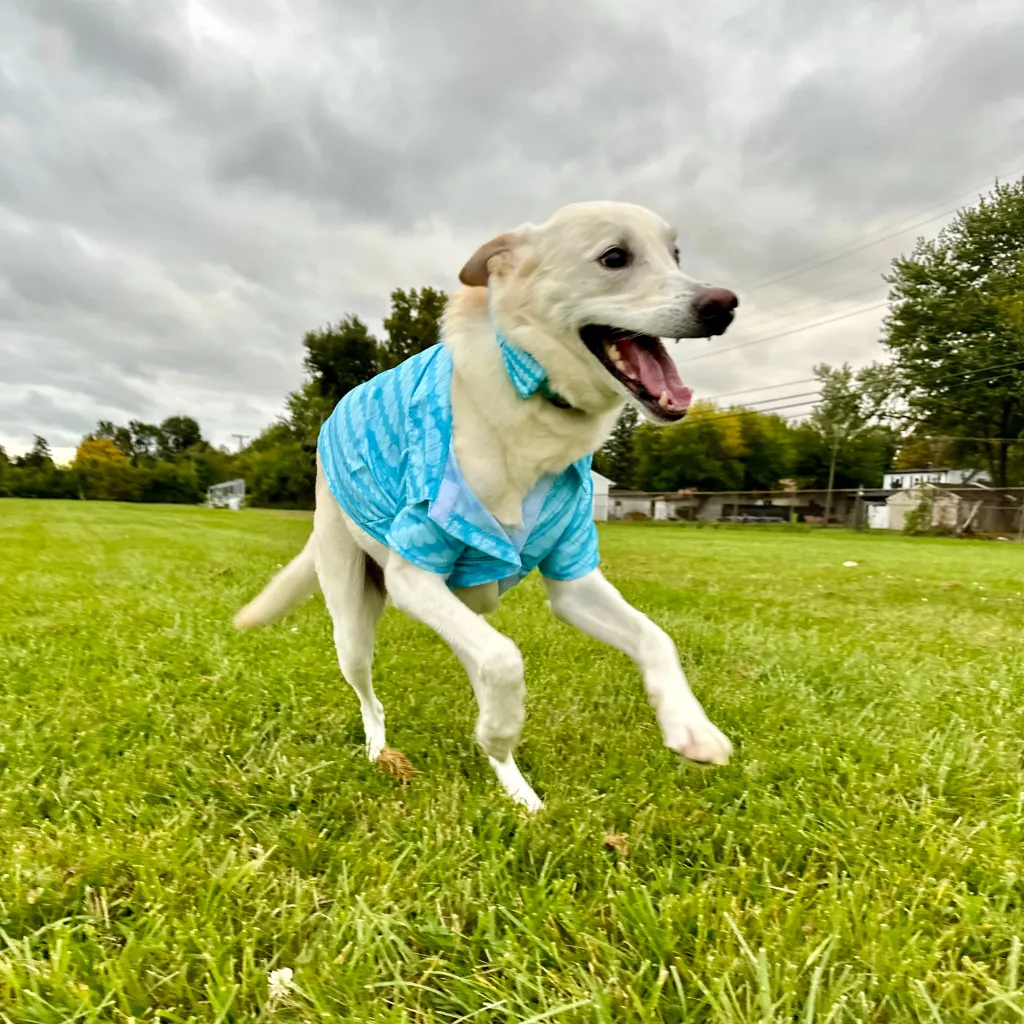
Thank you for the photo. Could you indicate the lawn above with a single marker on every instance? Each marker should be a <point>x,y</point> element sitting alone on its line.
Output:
<point>185,809</point>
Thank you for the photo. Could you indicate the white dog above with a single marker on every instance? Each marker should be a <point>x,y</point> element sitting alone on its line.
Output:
<point>447,479</point>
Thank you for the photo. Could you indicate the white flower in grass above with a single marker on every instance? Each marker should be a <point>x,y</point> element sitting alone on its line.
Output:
<point>280,984</point>
<point>849,565</point>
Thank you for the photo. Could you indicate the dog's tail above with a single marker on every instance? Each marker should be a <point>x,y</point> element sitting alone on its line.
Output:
<point>295,583</point>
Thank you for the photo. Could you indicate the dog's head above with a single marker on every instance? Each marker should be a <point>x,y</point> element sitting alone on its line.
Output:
<point>590,294</point>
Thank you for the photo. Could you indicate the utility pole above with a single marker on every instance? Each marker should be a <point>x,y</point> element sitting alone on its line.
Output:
<point>831,475</point>
<point>241,439</point>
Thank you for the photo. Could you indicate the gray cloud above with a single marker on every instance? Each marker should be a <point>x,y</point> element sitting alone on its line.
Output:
<point>186,188</point>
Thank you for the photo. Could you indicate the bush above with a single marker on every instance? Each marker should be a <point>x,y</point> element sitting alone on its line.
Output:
<point>919,518</point>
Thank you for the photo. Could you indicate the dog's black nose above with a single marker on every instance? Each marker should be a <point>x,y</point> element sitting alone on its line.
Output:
<point>715,309</point>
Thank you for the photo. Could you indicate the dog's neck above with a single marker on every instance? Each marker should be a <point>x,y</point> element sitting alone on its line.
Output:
<point>503,442</point>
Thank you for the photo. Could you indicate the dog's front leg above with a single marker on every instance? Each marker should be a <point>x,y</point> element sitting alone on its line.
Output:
<point>492,660</point>
<point>596,608</point>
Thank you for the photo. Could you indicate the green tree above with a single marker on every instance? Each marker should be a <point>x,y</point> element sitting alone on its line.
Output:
<point>177,435</point>
<point>339,357</point>
<point>851,403</point>
<point>307,411</point>
<point>38,457</point>
<point>956,328</point>
<point>278,469</point>
<point>147,441</point>
<point>705,451</point>
<point>860,462</point>
<point>120,436</point>
<point>617,458</point>
<point>168,482</point>
<point>414,323</point>
<point>768,449</point>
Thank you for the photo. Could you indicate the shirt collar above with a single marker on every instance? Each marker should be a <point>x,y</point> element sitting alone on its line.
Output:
<point>527,375</point>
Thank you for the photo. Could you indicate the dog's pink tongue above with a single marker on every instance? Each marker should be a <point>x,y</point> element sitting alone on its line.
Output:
<point>656,372</point>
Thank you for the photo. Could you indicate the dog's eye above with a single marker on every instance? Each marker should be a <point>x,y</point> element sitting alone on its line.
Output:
<point>614,258</point>
<point>675,255</point>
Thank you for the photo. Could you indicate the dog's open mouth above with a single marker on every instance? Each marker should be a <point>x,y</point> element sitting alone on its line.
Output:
<point>642,365</point>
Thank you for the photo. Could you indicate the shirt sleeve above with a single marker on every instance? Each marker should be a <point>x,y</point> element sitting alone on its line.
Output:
<point>576,553</point>
<point>418,539</point>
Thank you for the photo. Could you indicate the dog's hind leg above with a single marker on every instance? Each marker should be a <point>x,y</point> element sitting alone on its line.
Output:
<point>352,588</point>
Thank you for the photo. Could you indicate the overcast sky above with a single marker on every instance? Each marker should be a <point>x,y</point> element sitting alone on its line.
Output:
<point>186,186</point>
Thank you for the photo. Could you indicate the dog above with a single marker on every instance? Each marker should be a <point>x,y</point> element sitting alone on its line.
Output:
<point>444,481</point>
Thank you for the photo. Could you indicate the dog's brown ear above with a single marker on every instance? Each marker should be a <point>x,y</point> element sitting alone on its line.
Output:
<point>475,272</point>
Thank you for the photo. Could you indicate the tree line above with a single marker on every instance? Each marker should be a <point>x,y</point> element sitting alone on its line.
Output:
<point>951,394</point>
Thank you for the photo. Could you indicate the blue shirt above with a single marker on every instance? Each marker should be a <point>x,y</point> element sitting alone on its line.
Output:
<point>390,463</point>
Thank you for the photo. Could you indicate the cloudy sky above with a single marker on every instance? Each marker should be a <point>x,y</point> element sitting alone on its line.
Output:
<point>186,186</point>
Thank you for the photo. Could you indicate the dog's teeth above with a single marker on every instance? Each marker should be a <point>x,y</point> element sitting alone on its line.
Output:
<point>663,401</point>
<point>624,370</point>
<point>614,354</point>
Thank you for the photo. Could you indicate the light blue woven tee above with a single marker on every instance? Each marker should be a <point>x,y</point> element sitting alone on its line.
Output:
<point>390,463</point>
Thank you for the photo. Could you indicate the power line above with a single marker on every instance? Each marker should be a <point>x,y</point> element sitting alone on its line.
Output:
<point>903,226</point>
<point>815,305</point>
<point>800,268</point>
<point>767,387</point>
<point>858,273</point>
<point>954,437</point>
<point>1013,364</point>
<point>792,405</point>
<point>783,334</point>
<point>779,398</point>
<point>696,422</point>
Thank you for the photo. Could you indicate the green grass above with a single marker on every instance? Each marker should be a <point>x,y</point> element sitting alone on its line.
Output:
<point>184,809</point>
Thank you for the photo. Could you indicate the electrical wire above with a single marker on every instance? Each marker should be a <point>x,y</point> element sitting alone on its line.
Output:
<point>801,310</point>
<point>1011,365</point>
<point>900,229</point>
<point>908,223</point>
<point>792,405</point>
<point>767,387</point>
<point>784,334</point>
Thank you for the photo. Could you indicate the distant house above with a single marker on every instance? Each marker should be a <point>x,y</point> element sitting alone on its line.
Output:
<point>631,505</point>
<point>904,479</point>
<point>602,485</point>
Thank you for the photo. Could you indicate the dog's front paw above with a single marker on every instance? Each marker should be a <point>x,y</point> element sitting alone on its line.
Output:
<point>698,740</point>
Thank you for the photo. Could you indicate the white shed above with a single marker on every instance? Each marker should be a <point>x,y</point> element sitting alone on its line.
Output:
<point>942,507</point>
<point>602,485</point>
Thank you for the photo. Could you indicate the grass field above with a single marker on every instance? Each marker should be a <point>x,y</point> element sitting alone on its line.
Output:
<point>185,809</point>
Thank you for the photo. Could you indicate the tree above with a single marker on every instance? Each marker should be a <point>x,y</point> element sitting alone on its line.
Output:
<point>860,462</point>
<point>177,435</point>
<point>98,449</point>
<point>414,323</point>
<point>39,457</point>
<point>851,403</point>
<point>617,458</point>
<point>704,451</point>
<point>120,436</point>
<point>147,441</point>
<point>307,411</point>
<point>956,328</point>
<point>340,358</point>
<point>768,450</point>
